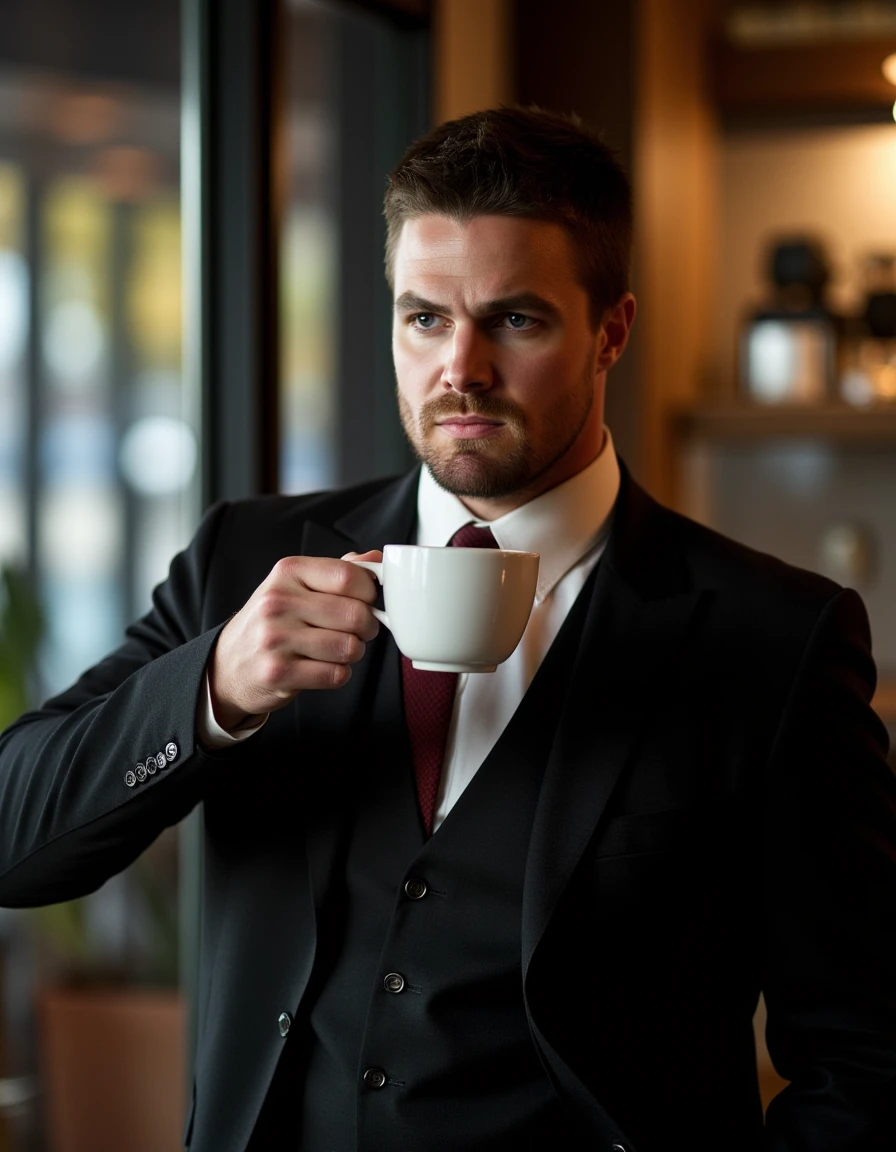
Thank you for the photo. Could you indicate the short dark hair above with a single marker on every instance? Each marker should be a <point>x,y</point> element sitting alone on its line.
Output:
<point>522,162</point>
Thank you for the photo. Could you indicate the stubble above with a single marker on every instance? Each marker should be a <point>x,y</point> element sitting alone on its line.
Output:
<point>500,467</point>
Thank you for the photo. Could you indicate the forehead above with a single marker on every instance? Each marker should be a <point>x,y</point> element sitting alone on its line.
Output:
<point>498,254</point>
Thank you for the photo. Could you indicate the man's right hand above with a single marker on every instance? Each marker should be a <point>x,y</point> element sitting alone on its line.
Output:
<point>303,627</point>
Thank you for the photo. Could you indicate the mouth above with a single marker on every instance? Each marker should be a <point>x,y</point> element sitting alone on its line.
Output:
<point>469,427</point>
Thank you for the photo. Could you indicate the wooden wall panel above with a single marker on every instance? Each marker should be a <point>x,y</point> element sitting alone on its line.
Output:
<point>676,139</point>
<point>473,56</point>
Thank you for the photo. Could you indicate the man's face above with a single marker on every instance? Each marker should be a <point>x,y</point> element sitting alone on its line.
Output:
<point>500,371</point>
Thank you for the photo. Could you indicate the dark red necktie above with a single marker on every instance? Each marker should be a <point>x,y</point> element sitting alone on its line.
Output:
<point>429,702</point>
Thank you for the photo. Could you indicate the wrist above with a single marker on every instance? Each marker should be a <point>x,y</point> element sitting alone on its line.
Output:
<point>211,733</point>
<point>229,716</point>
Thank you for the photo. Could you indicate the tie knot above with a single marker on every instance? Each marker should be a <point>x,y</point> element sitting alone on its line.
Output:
<point>472,537</point>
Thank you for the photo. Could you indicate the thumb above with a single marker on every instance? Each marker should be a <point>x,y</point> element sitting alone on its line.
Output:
<point>374,556</point>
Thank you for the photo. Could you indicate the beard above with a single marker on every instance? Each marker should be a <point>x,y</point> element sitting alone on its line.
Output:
<point>483,469</point>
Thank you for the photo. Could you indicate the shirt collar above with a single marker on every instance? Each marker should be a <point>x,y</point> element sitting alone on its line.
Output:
<point>562,525</point>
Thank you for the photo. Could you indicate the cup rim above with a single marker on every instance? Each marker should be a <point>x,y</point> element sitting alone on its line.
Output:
<point>448,548</point>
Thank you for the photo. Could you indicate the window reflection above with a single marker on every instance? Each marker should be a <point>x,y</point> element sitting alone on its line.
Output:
<point>307,398</point>
<point>13,336</point>
<point>357,79</point>
<point>79,509</point>
<point>97,463</point>
<point>308,256</point>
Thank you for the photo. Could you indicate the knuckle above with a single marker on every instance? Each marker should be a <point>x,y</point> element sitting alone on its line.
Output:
<point>343,574</point>
<point>270,606</point>
<point>270,642</point>
<point>355,649</point>
<point>272,670</point>
<point>283,569</point>
<point>356,617</point>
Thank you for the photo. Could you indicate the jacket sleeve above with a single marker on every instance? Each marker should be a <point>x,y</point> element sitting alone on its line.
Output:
<point>90,779</point>
<point>830,900</point>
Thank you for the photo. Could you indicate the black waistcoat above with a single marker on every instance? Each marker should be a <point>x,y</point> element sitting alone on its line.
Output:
<point>414,1035</point>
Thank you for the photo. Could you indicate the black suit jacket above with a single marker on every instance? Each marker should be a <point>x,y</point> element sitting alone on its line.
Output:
<point>717,817</point>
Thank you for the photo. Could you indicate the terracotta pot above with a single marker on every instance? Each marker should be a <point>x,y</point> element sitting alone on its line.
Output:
<point>113,1066</point>
<point>770,1083</point>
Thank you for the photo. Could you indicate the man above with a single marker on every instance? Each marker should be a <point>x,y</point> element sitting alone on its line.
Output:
<point>672,796</point>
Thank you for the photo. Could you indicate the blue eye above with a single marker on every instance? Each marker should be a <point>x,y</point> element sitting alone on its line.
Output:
<point>425,320</point>
<point>517,321</point>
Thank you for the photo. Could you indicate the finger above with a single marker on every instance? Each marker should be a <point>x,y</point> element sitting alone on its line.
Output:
<point>341,614</point>
<point>320,574</point>
<point>309,662</point>
<point>374,555</point>
<point>307,674</point>
<point>314,675</point>
<point>328,645</point>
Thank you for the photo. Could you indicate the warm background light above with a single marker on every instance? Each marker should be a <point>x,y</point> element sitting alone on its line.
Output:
<point>889,68</point>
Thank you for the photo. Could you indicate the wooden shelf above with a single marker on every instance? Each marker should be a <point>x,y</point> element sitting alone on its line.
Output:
<point>771,82</point>
<point>753,422</point>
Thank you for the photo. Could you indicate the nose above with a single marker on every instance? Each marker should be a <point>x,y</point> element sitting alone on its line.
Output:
<point>469,366</point>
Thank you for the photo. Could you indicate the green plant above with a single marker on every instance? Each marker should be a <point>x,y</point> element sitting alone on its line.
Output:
<point>78,955</point>
<point>21,628</point>
<point>66,930</point>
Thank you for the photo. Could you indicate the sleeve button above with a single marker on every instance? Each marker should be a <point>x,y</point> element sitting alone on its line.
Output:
<point>140,772</point>
<point>171,751</point>
<point>130,778</point>
<point>284,1023</point>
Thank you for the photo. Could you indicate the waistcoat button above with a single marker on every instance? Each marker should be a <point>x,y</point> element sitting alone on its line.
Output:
<point>284,1023</point>
<point>375,1078</point>
<point>415,889</point>
<point>394,982</point>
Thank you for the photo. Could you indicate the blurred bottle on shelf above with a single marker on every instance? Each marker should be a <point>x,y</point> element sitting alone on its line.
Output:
<point>868,375</point>
<point>788,347</point>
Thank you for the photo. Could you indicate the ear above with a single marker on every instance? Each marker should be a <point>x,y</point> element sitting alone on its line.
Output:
<point>615,328</point>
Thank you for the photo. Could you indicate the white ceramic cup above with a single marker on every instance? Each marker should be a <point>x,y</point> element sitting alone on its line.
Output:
<point>455,609</point>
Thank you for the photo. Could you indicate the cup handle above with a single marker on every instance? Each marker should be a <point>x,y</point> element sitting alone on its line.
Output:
<point>377,570</point>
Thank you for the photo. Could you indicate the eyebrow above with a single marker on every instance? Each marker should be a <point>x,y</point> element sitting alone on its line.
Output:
<point>520,302</point>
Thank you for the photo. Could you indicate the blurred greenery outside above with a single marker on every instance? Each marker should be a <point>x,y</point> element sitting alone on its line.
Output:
<point>64,595</point>
<point>69,947</point>
<point>21,628</point>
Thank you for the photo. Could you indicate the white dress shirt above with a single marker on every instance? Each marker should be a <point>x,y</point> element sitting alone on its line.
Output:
<point>568,527</point>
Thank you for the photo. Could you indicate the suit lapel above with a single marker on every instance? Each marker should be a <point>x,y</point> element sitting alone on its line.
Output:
<point>333,721</point>
<point>642,606</point>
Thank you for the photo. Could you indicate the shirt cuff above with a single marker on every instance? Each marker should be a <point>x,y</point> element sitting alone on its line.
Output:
<point>210,732</point>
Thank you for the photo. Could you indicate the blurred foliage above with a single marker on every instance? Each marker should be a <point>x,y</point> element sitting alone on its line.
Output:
<point>79,956</point>
<point>67,930</point>
<point>21,628</point>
